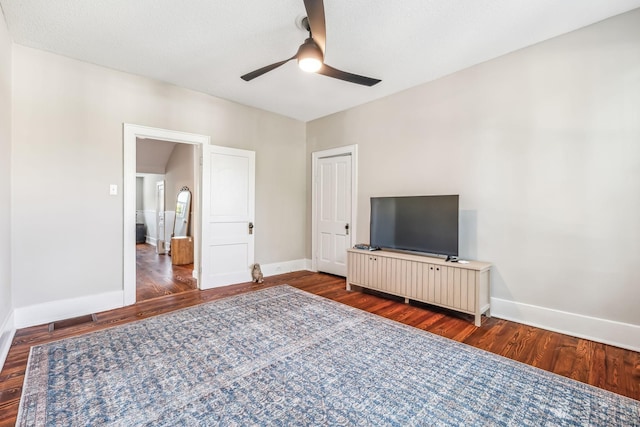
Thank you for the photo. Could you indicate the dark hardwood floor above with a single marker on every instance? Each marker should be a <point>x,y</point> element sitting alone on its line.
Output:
<point>156,276</point>
<point>601,365</point>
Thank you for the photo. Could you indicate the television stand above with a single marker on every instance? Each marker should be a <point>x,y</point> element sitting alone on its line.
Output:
<point>460,287</point>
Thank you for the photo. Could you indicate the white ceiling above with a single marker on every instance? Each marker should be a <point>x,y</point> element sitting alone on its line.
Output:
<point>206,45</point>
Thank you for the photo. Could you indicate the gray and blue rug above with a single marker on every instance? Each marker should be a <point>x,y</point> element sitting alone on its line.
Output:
<point>281,356</point>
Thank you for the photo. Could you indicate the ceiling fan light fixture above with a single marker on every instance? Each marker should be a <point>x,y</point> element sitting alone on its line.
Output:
<point>310,65</point>
<point>309,56</point>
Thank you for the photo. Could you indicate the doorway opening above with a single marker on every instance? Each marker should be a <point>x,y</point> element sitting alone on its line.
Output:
<point>147,259</point>
<point>164,178</point>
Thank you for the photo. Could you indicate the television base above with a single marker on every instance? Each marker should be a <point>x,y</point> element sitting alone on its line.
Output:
<point>460,287</point>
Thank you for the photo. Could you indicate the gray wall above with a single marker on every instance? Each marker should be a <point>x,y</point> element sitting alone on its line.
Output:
<point>67,123</point>
<point>5,173</point>
<point>543,147</point>
<point>179,173</point>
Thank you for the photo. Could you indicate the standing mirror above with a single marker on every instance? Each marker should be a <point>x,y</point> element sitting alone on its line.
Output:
<point>183,210</point>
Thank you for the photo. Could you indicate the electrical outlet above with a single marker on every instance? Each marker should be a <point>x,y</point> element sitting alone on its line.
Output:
<point>113,189</point>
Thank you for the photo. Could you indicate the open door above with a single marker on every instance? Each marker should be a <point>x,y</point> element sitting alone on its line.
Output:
<point>228,205</point>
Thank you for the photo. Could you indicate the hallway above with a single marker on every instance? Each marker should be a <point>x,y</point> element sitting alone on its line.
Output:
<point>156,276</point>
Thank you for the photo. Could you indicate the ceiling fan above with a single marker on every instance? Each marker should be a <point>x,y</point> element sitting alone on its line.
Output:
<point>310,54</point>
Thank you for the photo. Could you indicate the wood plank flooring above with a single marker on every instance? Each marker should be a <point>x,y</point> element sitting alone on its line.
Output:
<point>156,276</point>
<point>601,365</point>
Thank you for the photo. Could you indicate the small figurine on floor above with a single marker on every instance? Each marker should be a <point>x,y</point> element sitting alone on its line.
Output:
<point>256,273</point>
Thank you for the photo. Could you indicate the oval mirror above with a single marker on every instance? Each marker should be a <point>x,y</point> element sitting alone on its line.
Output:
<point>183,211</point>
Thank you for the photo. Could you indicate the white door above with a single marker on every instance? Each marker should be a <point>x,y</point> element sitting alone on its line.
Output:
<point>228,204</point>
<point>333,213</point>
<point>160,224</point>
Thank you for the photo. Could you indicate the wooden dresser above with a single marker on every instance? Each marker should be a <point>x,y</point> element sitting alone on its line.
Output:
<point>456,286</point>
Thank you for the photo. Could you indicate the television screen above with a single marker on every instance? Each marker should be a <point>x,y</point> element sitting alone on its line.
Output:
<point>426,224</point>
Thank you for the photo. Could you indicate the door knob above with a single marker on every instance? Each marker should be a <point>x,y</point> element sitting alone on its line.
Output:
<point>346,229</point>
<point>250,228</point>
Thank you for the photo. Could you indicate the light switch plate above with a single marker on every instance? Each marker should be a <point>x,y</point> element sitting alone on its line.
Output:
<point>113,189</point>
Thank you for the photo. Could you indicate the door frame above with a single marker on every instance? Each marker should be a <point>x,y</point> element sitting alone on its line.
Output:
<point>161,250</point>
<point>351,150</point>
<point>130,133</point>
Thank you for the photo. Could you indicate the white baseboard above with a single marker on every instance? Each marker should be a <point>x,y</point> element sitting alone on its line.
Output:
<point>39,314</point>
<point>154,242</point>
<point>624,335</point>
<point>283,267</point>
<point>308,265</point>
<point>47,312</point>
<point>7,331</point>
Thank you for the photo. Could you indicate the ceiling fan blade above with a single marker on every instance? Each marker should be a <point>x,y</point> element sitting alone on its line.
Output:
<point>260,71</point>
<point>315,15</point>
<point>347,77</point>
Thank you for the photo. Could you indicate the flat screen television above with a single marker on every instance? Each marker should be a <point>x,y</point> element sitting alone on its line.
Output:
<point>426,224</point>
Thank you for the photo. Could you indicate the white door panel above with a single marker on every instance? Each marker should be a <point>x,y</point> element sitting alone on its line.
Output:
<point>228,231</point>
<point>333,205</point>
<point>228,210</point>
<point>230,186</point>
<point>228,257</point>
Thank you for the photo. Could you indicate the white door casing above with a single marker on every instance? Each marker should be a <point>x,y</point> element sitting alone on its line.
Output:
<point>333,210</point>
<point>130,134</point>
<point>228,209</point>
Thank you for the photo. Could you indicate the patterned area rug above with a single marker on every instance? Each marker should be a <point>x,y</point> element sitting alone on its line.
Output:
<point>281,356</point>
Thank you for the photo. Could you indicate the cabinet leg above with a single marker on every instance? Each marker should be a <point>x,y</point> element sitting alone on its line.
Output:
<point>406,300</point>
<point>348,286</point>
<point>478,321</point>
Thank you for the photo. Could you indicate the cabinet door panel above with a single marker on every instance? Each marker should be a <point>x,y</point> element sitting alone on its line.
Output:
<point>450,285</point>
<point>366,272</point>
<point>383,283</point>
<point>437,278</point>
<point>471,290</point>
<point>355,263</point>
<point>405,272</point>
<point>414,277</point>
<point>437,297</point>
<point>429,290</point>
<point>362,268</point>
<point>374,272</point>
<point>464,290</point>
<point>351,271</point>
<point>456,288</point>
<point>385,269</point>
<point>397,274</point>
<point>422,291</point>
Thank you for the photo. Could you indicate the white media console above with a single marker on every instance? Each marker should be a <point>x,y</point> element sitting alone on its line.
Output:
<point>460,287</point>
